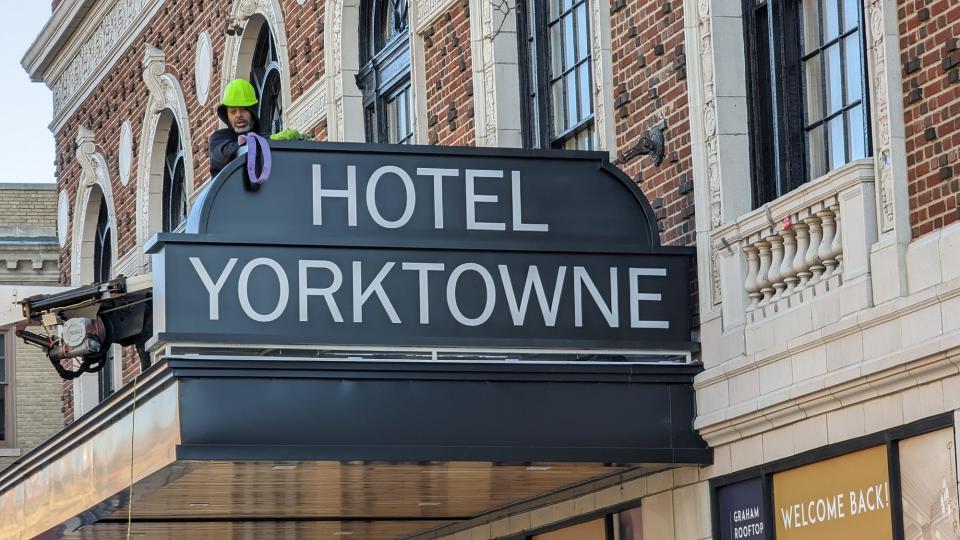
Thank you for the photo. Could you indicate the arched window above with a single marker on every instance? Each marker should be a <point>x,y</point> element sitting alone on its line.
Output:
<point>174,190</point>
<point>265,77</point>
<point>385,75</point>
<point>102,270</point>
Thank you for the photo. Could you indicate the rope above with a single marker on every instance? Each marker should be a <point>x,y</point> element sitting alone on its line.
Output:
<point>254,141</point>
<point>133,427</point>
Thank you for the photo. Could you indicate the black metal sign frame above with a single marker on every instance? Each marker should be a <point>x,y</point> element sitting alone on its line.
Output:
<point>378,245</point>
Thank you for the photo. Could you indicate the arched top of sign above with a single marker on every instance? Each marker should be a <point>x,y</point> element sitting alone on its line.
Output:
<point>343,194</point>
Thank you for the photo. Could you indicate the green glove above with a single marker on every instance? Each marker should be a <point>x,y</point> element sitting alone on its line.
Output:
<point>290,134</point>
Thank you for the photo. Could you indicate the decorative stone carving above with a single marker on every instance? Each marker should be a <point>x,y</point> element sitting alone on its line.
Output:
<point>63,217</point>
<point>881,112</point>
<point>310,108</point>
<point>165,95</point>
<point>599,75</point>
<point>125,154</point>
<point>86,149</point>
<point>116,24</point>
<point>336,67</point>
<point>203,67</point>
<point>429,10</point>
<point>705,25</point>
<point>485,95</point>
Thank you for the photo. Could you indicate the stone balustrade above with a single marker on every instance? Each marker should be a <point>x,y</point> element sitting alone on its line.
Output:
<point>805,244</point>
<point>794,259</point>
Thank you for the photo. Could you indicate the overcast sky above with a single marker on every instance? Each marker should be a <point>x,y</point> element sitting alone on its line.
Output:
<point>26,145</point>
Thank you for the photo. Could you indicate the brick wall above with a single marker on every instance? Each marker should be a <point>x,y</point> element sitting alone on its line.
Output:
<point>930,62</point>
<point>304,29</point>
<point>448,69</point>
<point>649,85</point>
<point>28,207</point>
<point>38,413</point>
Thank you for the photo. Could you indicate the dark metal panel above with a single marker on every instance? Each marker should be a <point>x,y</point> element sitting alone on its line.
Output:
<point>189,316</point>
<point>580,195</point>
<point>417,419</point>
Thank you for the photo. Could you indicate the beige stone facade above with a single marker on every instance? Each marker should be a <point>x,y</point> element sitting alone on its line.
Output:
<point>28,265</point>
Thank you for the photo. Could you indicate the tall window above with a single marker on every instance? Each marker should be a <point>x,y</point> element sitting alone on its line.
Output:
<point>385,75</point>
<point>4,390</point>
<point>807,91</point>
<point>102,262</point>
<point>174,192</point>
<point>265,77</point>
<point>557,83</point>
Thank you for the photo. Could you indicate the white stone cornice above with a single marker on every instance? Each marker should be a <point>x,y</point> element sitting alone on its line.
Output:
<point>54,36</point>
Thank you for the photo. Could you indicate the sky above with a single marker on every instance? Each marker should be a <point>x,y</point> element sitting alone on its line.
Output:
<point>26,144</point>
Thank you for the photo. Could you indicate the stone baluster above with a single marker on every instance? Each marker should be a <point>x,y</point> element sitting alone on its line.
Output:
<point>812,259</point>
<point>825,252</point>
<point>776,261</point>
<point>800,267</point>
<point>763,274</point>
<point>787,273</point>
<point>750,284</point>
<point>836,248</point>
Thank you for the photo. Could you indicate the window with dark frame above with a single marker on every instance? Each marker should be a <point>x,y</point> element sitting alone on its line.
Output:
<point>265,77</point>
<point>174,189</point>
<point>102,263</point>
<point>384,77</point>
<point>556,75</point>
<point>806,90</point>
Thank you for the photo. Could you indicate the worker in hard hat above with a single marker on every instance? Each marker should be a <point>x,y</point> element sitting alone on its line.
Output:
<point>237,112</point>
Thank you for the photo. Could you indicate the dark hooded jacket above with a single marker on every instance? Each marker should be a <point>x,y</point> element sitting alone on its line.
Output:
<point>223,145</point>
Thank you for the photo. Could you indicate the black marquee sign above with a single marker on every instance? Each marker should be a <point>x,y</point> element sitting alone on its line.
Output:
<point>365,245</point>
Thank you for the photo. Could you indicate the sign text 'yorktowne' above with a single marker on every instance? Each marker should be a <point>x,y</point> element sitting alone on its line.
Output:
<point>352,246</point>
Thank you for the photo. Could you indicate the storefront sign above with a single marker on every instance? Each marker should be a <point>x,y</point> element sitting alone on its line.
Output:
<point>741,511</point>
<point>364,245</point>
<point>843,497</point>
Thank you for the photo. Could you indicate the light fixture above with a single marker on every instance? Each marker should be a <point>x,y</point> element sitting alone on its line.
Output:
<point>343,533</point>
<point>284,467</point>
<point>198,505</point>
<point>429,503</point>
<point>537,468</point>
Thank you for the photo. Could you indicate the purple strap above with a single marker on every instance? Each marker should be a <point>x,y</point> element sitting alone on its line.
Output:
<point>253,141</point>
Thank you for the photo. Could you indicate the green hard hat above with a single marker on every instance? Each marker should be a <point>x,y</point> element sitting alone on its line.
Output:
<point>239,93</point>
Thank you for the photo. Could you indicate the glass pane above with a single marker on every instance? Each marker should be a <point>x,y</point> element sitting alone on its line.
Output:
<point>630,524</point>
<point>586,106</point>
<point>831,20</point>
<point>853,58</point>
<point>814,89</point>
<point>564,5</point>
<point>591,530</point>
<point>3,412</point>
<point>811,25</point>
<point>3,362</point>
<point>583,32</point>
<point>815,152</point>
<point>928,476</point>
<point>838,153</point>
<point>556,51</point>
<point>851,14</point>
<point>834,83</point>
<point>571,116</point>
<point>559,119</point>
<point>401,116</point>
<point>569,37</point>
<point>858,133</point>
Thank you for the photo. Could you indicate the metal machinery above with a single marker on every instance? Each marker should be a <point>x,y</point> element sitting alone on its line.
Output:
<point>82,324</point>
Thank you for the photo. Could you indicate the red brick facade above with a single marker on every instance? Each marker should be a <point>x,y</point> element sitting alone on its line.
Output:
<point>447,69</point>
<point>930,58</point>
<point>649,85</point>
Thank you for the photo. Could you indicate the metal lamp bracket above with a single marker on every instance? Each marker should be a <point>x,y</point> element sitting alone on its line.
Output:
<point>652,143</point>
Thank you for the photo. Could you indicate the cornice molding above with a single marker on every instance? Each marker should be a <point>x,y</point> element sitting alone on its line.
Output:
<point>54,36</point>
